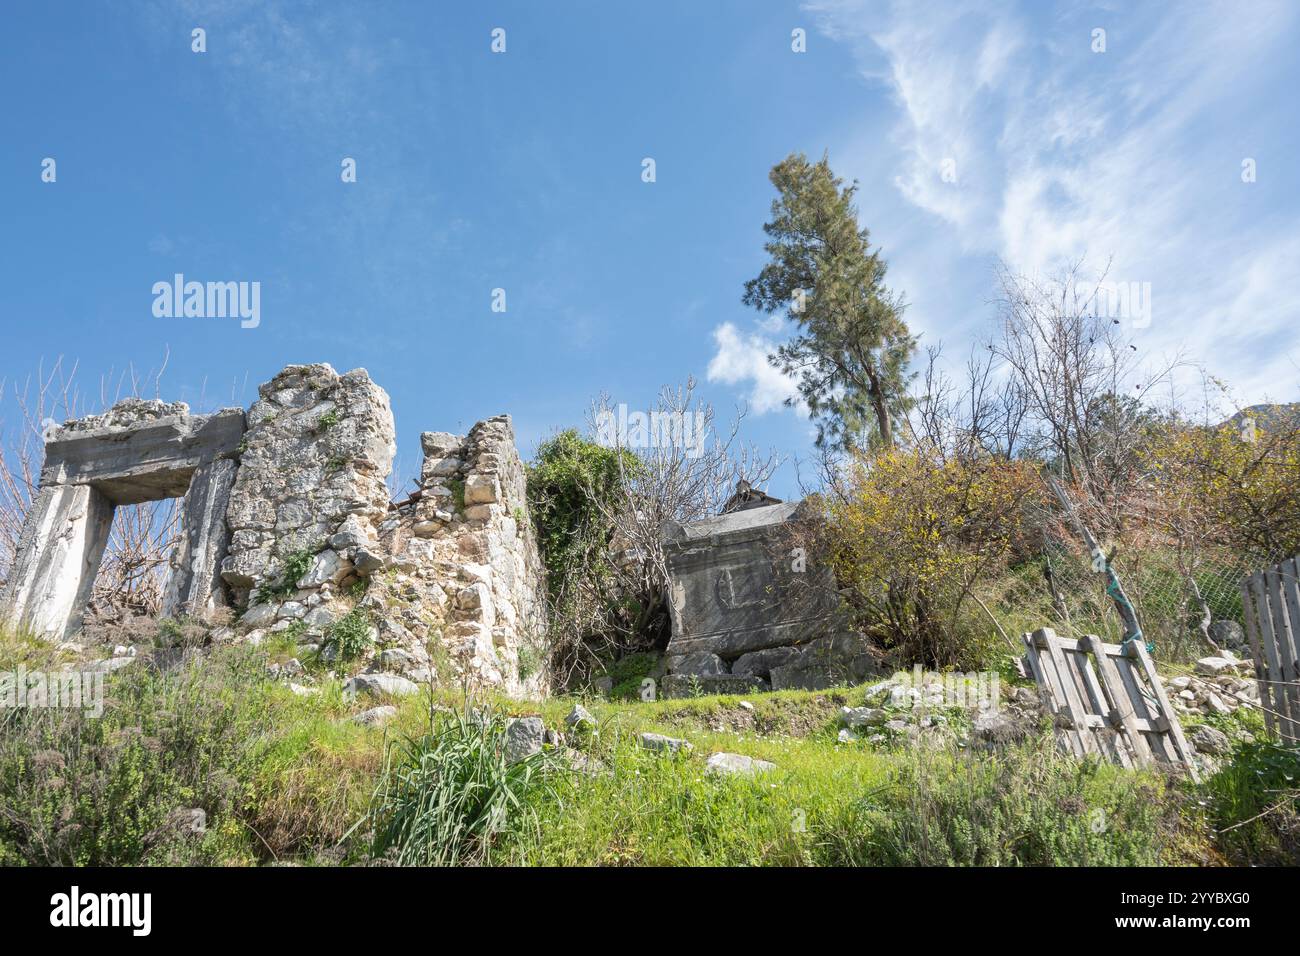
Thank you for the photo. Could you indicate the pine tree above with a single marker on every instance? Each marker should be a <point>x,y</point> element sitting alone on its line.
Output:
<point>852,349</point>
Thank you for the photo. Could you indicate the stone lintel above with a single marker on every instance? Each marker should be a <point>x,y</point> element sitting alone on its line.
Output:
<point>146,461</point>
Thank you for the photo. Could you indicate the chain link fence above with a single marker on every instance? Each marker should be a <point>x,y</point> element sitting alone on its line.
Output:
<point>1172,597</point>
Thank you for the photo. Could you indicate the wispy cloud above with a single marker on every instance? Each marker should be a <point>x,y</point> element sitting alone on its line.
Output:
<point>1129,157</point>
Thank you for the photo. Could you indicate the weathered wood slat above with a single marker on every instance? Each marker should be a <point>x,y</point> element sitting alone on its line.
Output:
<point>1144,706</point>
<point>1285,656</point>
<point>1121,704</point>
<point>1273,681</point>
<point>1287,584</point>
<point>1257,653</point>
<point>1175,728</point>
<point>1105,728</point>
<point>1045,677</point>
<point>1069,690</point>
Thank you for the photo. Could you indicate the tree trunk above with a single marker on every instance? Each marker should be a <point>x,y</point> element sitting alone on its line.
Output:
<point>881,408</point>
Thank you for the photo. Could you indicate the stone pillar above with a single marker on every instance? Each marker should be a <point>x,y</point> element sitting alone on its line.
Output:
<point>194,586</point>
<point>62,543</point>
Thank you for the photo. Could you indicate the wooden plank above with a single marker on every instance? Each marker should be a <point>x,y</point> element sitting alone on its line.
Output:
<point>1054,688</point>
<point>1045,677</point>
<point>1145,706</point>
<point>1286,577</point>
<point>1121,703</point>
<point>1175,728</point>
<point>1040,677</point>
<point>1106,725</point>
<point>1147,726</point>
<point>1070,693</point>
<point>1285,657</point>
<point>1257,654</point>
<point>1277,695</point>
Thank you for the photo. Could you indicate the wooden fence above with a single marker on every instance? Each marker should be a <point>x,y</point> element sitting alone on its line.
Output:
<point>1270,603</point>
<point>1107,700</point>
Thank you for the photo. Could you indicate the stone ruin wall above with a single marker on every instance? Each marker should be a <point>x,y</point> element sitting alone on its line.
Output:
<point>289,522</point>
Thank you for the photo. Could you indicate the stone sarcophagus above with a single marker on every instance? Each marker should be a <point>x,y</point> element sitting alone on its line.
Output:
<point>750,610</point>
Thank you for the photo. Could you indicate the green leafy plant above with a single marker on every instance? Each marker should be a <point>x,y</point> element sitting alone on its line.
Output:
<point>350,633</point>
<point>294,566</point>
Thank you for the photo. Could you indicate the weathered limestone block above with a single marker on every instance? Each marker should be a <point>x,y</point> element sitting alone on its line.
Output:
<point>140,450</point>
<point>194,586</point>
<point>830,661</point>
<point>318,449</point>
<point>693,685</point>
<point>59,552</point>
<point>735,587</point>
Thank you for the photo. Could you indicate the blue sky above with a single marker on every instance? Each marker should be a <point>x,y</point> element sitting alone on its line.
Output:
<point>522,171</point>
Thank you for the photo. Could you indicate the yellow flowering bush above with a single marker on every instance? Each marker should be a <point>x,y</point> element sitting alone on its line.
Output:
<point>914,533</point>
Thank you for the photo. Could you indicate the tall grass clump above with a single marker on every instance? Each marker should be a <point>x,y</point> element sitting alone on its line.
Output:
<point>448,797</point>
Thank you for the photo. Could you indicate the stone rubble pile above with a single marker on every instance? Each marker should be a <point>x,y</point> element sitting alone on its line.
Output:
<point>1221,684</point>
<point>464,567</point>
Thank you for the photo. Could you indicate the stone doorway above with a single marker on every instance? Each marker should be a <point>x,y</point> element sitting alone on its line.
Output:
<point>138,451</point>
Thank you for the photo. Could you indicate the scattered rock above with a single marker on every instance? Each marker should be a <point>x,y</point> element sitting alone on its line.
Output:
<point>191,820</point>
<point>580,720</point>
<point>580,762</point>
<point>1214,666</point>
<point>1210,740</point>
<point>1228,634</point>
<point>390,684</point>
<point>736,765</point>
<point>996,730</point>
<point>1216,705</point>
<point>525,736</point>
<point>862,716</point>
<point>662,744</point>
<point>376,716</point>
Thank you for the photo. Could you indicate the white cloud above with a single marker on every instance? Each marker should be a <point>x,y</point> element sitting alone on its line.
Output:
<point>1129,157</point>
<point>741,359</point>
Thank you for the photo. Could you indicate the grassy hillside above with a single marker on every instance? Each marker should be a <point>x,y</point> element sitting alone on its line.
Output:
<point>286,776</point>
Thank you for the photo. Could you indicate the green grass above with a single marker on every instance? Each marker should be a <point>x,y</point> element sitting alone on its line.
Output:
<point>283,777</point>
